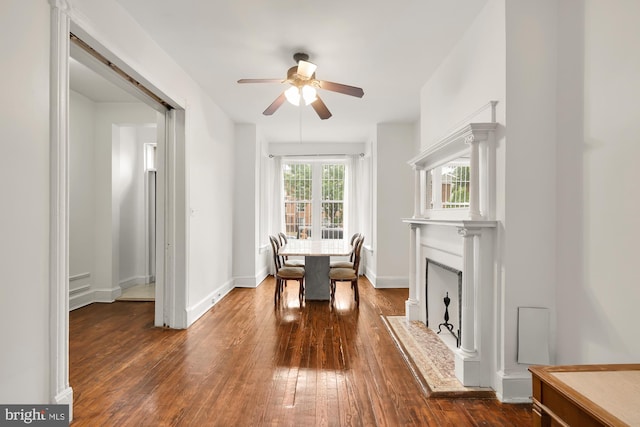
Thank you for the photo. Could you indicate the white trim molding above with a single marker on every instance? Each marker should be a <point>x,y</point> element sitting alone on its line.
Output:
<point>251,281</point>
<point>391,282</point>
<point>513,387</point>
<point>60,390</point>
<point>196,311</point>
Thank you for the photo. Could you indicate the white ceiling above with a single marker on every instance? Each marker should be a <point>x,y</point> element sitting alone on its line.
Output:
<point>389,48</point>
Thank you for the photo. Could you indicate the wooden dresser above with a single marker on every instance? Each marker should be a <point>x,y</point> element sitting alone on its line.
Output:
<point>586,395</point>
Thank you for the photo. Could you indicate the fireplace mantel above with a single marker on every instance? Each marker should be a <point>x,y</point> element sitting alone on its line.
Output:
<point>463,239</point>
<point>452,222</point>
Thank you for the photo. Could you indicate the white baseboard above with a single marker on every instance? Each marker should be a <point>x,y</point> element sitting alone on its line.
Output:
<point>106,295</point>
<point>80,299</point>
<point>389,282</point>
<point>65,397</point>
<point>250,281</point>
<point>133,281</point>
<point>513,388</point>
<point>197,310</point>
<point>371,276</point>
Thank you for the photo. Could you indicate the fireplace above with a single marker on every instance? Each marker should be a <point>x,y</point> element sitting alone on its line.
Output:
<point>457,240</point>
<point>441,314</point>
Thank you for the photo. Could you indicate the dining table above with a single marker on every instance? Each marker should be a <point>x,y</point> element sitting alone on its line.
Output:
<point>317,255</point>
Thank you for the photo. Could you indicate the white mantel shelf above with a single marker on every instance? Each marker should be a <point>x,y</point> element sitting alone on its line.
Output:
<point>460,223</point>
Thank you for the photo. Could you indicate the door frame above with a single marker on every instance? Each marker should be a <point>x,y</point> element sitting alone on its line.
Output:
<point>170,304</point>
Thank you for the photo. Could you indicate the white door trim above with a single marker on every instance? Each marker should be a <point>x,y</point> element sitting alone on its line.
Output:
<point>60,390</point>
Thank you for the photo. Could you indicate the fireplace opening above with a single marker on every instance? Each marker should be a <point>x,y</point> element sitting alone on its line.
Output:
<point>444,299</point>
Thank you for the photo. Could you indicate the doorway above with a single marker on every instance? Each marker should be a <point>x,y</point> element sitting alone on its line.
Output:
<point>170,194</point>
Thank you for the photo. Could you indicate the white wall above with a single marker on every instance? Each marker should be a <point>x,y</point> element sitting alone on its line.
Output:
<point>133,212</point>
<point>246,206</point>
<point>210,165</point>
<point>598,152</point>
<point>24,219</point>
<point>395,144</point>
<point>113,177</point>
<point>471,75</point>
<point>528,244</point>
<point>81,191</point>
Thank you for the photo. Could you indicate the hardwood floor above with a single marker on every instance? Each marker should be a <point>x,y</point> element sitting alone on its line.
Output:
<point>246,363</point>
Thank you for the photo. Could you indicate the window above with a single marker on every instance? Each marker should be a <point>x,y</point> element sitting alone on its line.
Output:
<point>313,199</point>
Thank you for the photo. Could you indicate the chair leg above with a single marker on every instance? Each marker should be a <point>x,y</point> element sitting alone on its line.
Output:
<point>356,292</point>
<point>301,291</point>
<point>276,294</point>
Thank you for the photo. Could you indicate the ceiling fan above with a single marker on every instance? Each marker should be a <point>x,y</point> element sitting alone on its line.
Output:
<point>304,85</point>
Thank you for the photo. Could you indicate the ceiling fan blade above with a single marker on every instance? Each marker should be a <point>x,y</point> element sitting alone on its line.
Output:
<point>274,105</point>
<point>306,69</point>
<point>321,108</point>
<point>260,81</point>
<point>340,88</point>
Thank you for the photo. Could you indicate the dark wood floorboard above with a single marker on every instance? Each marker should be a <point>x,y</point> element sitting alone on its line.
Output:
<point>248,363</point>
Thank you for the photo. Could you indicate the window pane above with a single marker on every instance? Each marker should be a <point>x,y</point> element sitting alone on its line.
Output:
<point>332,201</point>
<point>297,200</point>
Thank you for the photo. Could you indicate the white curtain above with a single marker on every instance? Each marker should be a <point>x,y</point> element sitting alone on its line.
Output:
<point>276,196</point>
<point>355,196</point>
<point>350,203</point>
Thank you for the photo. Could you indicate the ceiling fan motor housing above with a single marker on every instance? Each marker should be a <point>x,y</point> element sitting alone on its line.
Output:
<point>299,80</point>
<point>300,57</point>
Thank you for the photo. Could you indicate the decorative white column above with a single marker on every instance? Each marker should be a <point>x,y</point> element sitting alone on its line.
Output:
<point>417,191</point>
<point>412,305</point>
<point>467,359</point>
<point>467,342</point>
<point>474,198</point>
<point>428,194</point>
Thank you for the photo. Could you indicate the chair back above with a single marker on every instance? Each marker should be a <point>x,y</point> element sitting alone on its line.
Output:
<point>283,238</point>
<point>356,253</point>
<point>275,245</point>
<point>352,242</point>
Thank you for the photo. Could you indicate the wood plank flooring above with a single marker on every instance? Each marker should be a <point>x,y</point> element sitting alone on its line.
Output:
<point>248,363</point>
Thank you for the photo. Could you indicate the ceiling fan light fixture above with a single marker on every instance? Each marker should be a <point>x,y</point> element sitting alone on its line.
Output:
<point>309,94</point>
<point>293,95</point>
<point>306,92</point>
